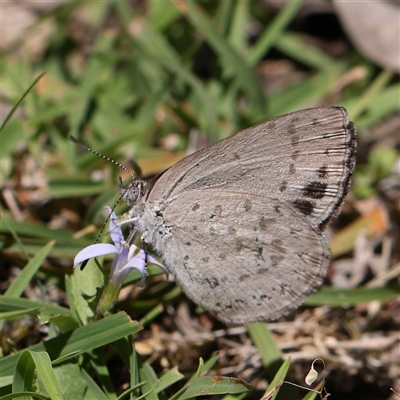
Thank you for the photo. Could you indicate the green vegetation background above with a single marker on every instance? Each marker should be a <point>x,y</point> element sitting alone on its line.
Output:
<point>141,83</point>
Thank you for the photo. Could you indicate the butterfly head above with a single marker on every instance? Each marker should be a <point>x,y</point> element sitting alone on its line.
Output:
<point>133,192</point>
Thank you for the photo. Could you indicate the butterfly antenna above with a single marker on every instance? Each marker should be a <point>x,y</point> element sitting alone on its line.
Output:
<point>87,148</point>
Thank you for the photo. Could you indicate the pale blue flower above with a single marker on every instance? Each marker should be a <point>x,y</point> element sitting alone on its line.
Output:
<point>126,258</point>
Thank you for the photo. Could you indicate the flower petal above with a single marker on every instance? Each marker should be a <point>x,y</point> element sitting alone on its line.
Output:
<point>115,230</point>
<point>138,262</point>
<point>94,250</point>
<point>163,268</point>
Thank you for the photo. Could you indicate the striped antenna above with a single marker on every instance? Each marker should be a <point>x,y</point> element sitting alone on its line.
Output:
<point>87,148</point>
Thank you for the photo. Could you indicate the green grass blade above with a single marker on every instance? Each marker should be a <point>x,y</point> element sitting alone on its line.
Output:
<point>238,31</point>
<point>234,64</point>
<point>84,339</point>
<point>273,32</point>
<point>46,374</point>
<point>271,356</point>
<point>17,304</point>
<point>148,375</point>
<point>28,272</point>
<point>265,343</point>
<point>158,49</point>
<point>169,378</point>
<point>93,387</point>
<point>292,45</point>
<point>278,379</point>
<point>10,315</point>
<point>19,101</point>
<point>215,385</point>
<point>370,94</point>
<point>27,364</point>
<point>347,297</point>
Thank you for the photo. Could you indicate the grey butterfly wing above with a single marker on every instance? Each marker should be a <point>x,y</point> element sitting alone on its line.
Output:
<point>232,255</point>
<point>289,175</point>
<point>304,159</point>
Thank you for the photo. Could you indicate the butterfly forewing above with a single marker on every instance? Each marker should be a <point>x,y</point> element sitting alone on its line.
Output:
<point>303,158</point>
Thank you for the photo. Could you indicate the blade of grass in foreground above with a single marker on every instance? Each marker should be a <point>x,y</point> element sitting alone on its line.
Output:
<point>20,283</point>
<point>28,363</point>
<point>272,357</point>
<point>84,339</point>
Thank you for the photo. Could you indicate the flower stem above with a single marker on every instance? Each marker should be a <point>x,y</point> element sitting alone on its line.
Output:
<point>107,300</point>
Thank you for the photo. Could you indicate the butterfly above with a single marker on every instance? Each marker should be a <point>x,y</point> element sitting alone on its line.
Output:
<point>239,224</point>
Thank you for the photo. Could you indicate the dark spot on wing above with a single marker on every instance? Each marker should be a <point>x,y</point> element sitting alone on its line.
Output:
<point>304,206</point>
<point>295,120</point>
<point>262,271</point>
<point>218,210</point>
<point>186,258</point>
<point>213,282</point>
<point>231,230</point>
<point>315,190</point>
<point>262,223</point>
<point>244,277</point>
<point>205,259</point>
<point>188,244</point>
<point>322,171</point>
<point>291,129</point>
<point>259,299</point>
<point>295,140</point>
<point>278,210</point>
<point>277,244</point>
<point>295,154</point>
<point>196,207</point>
<point>284,288</point>
<point>259,252</point>
<point>292,168</point>
<point>221,256</point>
<point>239,246</point>
<point>247,205</point>
<point>276,259</point>
<point>283,186</point>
